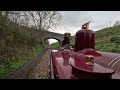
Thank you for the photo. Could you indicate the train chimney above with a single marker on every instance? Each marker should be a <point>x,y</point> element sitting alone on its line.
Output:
<point>84,38</point>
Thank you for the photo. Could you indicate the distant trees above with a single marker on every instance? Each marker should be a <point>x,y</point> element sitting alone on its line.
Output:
<point>42,20</point>
<point>117,23</point>
<point>45,19</point>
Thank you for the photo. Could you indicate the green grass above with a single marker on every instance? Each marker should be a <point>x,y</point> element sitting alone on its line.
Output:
<point>18,45</point>
<point>107,39</point>
<point>55,45</point>
<point>14,66</point>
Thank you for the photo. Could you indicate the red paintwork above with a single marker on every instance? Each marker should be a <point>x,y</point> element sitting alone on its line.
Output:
<point>68,64</point>
<point>84,39</point>
<point>89,51</point>
<point>71,65</point>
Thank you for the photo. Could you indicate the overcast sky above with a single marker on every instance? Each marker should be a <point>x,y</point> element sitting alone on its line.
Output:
<point>72,20</point>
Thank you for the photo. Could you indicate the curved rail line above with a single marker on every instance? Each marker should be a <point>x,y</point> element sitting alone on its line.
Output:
<point>114,61</point>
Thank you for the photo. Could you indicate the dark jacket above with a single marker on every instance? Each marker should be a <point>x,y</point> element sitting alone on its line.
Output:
<point>66,41</point>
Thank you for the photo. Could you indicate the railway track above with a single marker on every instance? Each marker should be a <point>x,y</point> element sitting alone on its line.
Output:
<point>41,69</point>
<point>24,72</point>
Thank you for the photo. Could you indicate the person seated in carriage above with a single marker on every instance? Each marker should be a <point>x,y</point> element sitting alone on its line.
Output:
<point>66,39</point>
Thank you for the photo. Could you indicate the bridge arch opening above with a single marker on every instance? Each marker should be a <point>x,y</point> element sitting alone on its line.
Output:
<point>53,40</point>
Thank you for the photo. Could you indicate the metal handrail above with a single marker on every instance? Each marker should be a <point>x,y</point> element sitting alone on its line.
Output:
<point>115,63</point>
<point>114,60</point>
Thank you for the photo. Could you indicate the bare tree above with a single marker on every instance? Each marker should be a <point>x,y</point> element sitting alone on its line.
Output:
<point>43,20</point>
<point>117,23</point>
<point>26,19</point>
<point>6,13</point>
<point>15,16</point>
<point>33,17</point>
<point>19,17</point>
<point>48,19</point>
<point>1,13</point>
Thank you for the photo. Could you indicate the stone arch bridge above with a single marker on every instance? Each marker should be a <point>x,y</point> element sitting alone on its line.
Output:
<point>52,35</point>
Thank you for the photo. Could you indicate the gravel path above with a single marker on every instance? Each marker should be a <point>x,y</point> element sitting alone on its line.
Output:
<point>41,69</point>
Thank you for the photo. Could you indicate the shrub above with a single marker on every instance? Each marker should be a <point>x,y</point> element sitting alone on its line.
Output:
<point>115,39</point>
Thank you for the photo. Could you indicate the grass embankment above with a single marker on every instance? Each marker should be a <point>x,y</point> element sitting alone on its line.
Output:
<point>18,45</point>
<point>6,70</point>
<point>107,39</point>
